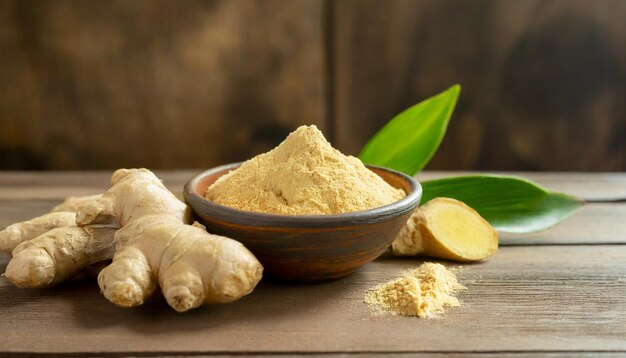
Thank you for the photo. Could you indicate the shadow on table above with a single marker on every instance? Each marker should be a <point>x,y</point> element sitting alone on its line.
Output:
<point>4,260</point>
<point>81,299</point>
<point>270,301</point>
<point>418,260</point>
<point>77,289</point>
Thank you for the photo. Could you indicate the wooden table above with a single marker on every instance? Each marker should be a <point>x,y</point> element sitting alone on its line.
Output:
<point>558,292</point>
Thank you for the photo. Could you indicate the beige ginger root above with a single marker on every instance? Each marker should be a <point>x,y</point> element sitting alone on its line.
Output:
<point>50,249</point>
<point>191,266</point>
<point>62,215</point>
<point>17,233</point>
<point>156,247</point>
<point>134,193</point>
<point>73,203</point>
<point>447,228</point>
<point>58,255</point>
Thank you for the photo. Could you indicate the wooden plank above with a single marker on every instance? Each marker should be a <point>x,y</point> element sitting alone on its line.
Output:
<point>526,299</point>
<point>592,224</point>
<point>585,354</point>
<point>521,108</point>
<point>445,354</point>
<point>57,185</point>
<point>429,354</point>
<point>24,195</point>
<point>88,85</point>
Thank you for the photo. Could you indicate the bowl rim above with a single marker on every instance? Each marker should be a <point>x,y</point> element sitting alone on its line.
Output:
<point>225,213</point>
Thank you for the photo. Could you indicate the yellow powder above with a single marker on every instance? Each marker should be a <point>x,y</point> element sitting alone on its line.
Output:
<point>422,292</point>
<point>304,175</point>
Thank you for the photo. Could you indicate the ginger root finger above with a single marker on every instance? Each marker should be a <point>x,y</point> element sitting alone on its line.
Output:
<point>49,249</point>
<point>73,203</point>
<point>134,193</point>
<point>58,255</point>
<point>447,228</point>
<point>61,215</point>
<point>191,266</point>
<point>17,233</point>
<point>128,281</point>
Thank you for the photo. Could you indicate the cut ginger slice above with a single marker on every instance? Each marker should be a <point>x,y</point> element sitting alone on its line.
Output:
<point>448,229</point>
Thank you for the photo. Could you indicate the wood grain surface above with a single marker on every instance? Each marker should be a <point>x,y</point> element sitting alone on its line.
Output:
<point>87,84</point>
<point>543,80</point>
<point>531,298</point>
<point>564,296</point>
<point>56,185</point>
<point>90,85</point>
<point>26,194</point>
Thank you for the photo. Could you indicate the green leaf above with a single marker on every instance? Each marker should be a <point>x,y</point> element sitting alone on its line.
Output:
<point>509,203</point>
<point>410,139</point>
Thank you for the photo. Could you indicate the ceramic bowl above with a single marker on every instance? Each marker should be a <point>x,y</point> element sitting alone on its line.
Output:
<point>307,247</point>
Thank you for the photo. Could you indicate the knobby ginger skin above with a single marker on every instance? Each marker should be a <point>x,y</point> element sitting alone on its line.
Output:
<point>157,247</point>
<point>58,255</point>
<point>133,193</point>
<point>304,175</point>
<point>50,249</point>
<point>62,215</point>
<point>191,266</point>
<point>153,247</point>
<point>17,233</point>
<point>73,203</point>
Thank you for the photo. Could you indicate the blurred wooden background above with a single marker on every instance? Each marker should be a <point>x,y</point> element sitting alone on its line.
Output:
<point>192,84</point>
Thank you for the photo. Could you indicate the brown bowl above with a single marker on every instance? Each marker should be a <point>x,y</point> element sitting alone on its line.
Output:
<point>307,247</point>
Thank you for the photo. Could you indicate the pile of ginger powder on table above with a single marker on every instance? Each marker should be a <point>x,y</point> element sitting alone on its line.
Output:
<point>423,292</point>
<point>304,175</point>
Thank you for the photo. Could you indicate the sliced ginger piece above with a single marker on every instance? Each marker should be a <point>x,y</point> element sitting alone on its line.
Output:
<point>448,229</point>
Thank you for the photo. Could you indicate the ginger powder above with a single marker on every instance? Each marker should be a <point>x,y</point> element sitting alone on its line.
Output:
<point>423,292</point>
<point>304,175</point>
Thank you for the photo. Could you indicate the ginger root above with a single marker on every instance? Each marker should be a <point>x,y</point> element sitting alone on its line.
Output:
<point>448,229</point>
<point>73,203</point>
<point>134,193</point>
<point>191,266</point>
<point>58,255</point>
<point>157,248</point>
<point>50,248</point>
<point>145,229</point>
<point>62,215</point>
<point>17,233</point>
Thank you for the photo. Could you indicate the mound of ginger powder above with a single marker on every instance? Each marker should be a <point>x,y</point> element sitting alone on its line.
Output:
<point>423,292</point>
<point>304,175</point>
